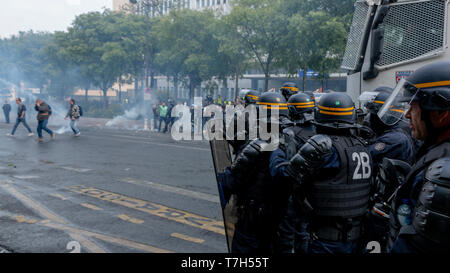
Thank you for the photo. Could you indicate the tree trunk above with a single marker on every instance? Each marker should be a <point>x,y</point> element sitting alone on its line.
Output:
<point>86,94</point>
<point>305,71</point>
<point>105,97</point>
<point>120,93</point>
<point>136,91</point>
<point>175,88</point>
<point>191,89</point>
<point>224,90</point>
<point>236,87</point>
<point>266,82</point>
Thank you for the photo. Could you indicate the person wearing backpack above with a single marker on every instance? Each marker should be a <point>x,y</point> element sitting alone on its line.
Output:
<point>44,112</point>
<point>74,113</point>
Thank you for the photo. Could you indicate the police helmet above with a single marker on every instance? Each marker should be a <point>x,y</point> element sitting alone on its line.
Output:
<point>430,86</point>
<point>375,105</point>
<point>288,89</point>
<point>336,110</point>
<point>300,104</point>
<point>272,101</point>
<point>251,97</point>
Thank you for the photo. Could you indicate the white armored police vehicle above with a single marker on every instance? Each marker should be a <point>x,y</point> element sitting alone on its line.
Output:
<point>390,39</point>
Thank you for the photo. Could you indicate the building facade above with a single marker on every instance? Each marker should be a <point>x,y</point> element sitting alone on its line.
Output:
<point>161,7</point>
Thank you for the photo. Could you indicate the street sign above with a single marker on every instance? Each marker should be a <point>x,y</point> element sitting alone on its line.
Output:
<point>309,73</point>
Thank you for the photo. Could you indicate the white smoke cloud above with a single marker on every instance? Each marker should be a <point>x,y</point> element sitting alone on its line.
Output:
<point>129,120</point>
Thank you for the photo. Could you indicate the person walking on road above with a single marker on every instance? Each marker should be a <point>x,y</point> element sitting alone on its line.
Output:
<point>44,112</point>
<point>74,115</point>
<point>6,110</point>
<point>21,109</point>
<point>163,116</point>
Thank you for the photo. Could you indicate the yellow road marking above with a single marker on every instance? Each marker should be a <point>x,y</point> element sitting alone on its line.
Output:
<point>56,222</point>
<point>58,196</point>
<point>153,209</point>
<point>92,207</point>
<point>130,219</point>
<point>187,238</point>
<point>22,219</point>
<point>109,239</point>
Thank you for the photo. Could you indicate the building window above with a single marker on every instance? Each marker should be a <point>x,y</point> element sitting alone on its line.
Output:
<point>198,4</point>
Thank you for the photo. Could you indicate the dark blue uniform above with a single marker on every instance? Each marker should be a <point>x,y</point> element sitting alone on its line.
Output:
<point>295,223</point>
<point>424,191</point>
<point>393,144</point>
<point>254,230</point>
<point>401,245</point>
<point>292,231</point>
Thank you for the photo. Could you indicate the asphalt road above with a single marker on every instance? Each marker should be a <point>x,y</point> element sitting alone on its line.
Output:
<point>110,190</point>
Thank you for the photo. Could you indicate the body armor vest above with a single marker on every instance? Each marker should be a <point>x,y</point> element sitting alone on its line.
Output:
<point>344,194</point>
<point>431,217</point>
<point>294,137</point>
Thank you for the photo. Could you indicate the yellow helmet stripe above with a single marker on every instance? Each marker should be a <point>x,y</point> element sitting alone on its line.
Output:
<point>279,108</point>
<point>253,97</point>
<point>378,101</point>
<point>397,110</point>
<point>308,106</point>
<point>301,103</point>
<point>432,84</point>
<point>336,109</point>
<point>271,103</point>
<point>290,88</point>
<point>337,114</point>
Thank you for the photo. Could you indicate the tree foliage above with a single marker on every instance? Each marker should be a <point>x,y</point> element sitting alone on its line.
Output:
<point>190,47</point>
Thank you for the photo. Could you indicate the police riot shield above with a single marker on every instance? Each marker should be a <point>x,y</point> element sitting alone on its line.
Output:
<point>221,155</point>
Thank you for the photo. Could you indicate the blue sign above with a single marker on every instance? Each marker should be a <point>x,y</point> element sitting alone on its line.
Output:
<point>309,73</point>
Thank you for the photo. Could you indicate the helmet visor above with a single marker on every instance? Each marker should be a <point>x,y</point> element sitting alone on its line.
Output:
<point>396,106</point>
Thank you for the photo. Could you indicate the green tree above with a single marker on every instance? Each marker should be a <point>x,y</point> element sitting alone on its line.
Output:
<point>59,66</point>
<point>187,45</point>
<point>96,45</point>
<point>234,57</point>
<point>315,41</point>
<point>261,27</point>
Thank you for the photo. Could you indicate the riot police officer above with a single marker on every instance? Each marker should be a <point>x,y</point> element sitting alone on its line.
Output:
<point>292,233</point>
<point>334,171</point>
<point>392,141</point>
<point>288,89</point>
<point>251,97</point>
<point>257,197</point>
<point>420,212</point>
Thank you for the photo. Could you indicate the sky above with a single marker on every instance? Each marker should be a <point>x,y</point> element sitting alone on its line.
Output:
<point>43,15</point>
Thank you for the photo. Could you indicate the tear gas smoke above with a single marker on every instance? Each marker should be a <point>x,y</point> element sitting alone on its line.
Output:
<point>59,110</point>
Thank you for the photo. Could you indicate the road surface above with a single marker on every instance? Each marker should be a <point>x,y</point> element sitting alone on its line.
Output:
<point>110,190</point>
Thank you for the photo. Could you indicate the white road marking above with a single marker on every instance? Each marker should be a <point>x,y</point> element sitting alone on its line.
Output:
<point>194,194</point>
<point>25,177</point>
<point>77,169</point>
<point>155,143</point>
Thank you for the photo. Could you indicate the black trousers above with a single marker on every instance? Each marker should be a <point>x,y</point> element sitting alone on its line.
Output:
<point>6,116</point>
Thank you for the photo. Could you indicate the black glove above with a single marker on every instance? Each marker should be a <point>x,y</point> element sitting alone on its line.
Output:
<point>248,158</point>
<point>310,156</point>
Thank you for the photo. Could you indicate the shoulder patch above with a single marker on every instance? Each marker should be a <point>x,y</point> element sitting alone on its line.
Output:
<point>380,146</point>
